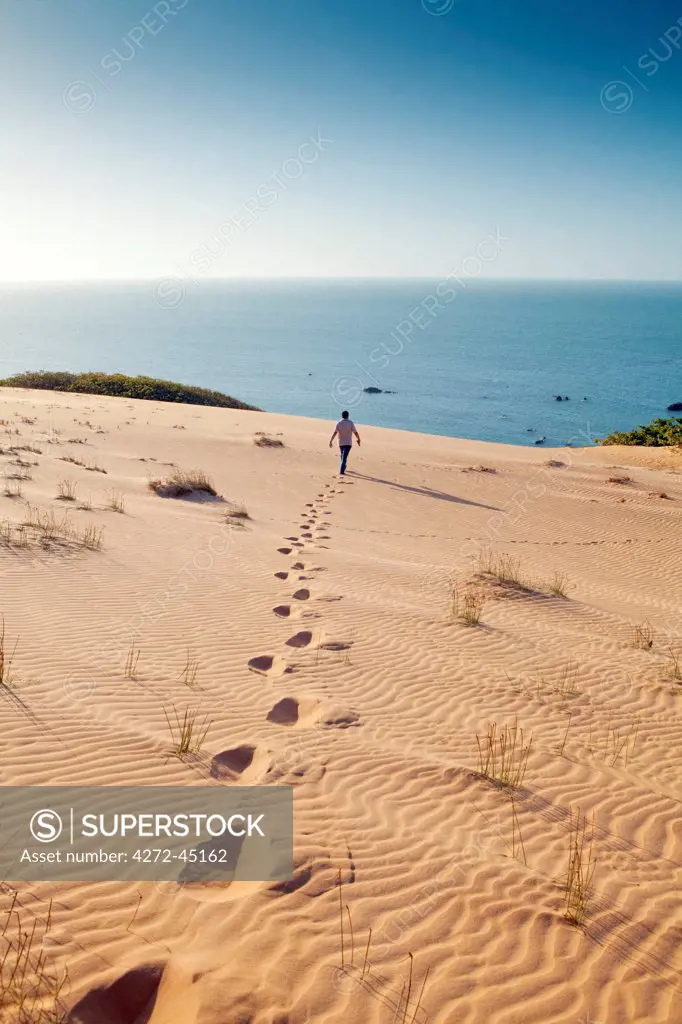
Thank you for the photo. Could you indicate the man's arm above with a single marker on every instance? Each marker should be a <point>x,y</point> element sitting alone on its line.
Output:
<point>357,437</point>
<point>332,438</point>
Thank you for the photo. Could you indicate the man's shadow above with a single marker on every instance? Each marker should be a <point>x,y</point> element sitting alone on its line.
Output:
<point>428,492</point>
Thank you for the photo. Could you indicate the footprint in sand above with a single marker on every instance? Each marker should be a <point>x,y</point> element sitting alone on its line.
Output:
<point>298,565</point>
<point>285,611</point>
<point>269,665</point>
<point>299,640</point>
<point>301,595</point>
<point>291,538</point>
<point>284,551</point>
<point>295,712</point>
<point>335,645</point>
<point>243,764</point>
<point>282,575</point>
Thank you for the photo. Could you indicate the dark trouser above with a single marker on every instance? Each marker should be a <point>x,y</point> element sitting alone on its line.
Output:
<point>345,451</point>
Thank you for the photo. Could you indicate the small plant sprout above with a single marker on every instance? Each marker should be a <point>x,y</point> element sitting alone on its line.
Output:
<point>517,838</point>
<point>644,636</point>
<point>132,659</point>
<point>567,685</point>
<point>674,656</point>
<point>619,743</point>
<point>558,585</point>
<point>188,733</point>
<point>560,750</point>
<point>7,677</point>
<point>90,537</point>
<point>66,490</point>
<point>13,488</point>
<point>503,755</point>
<point>581,865</point>
<point>467,604</point>
<point>188,676</point>
<point>116,502</point>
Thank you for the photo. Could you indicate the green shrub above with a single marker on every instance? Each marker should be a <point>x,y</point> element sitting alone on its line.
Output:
<point>121,386</point>
<point>658,434</point>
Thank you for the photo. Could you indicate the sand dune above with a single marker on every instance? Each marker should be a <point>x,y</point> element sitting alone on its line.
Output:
<point>318,637</point>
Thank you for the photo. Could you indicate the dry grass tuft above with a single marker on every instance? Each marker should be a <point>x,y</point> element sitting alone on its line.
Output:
<point>619,743</point>
<point>30,986</point>
<point>467,603</point>
<point>265,441</point>
<point>132,659</point>
<point>189,674</point>
<point>46,529</point>
<point>620,480</point>
<point>581,865</point>
<point>116,502</point>
<point>182,483</point>
<point>504,568</point>
<point>479,469</point>
<point>503,756</point>
<point>644,636</point>
<point>189,733</point>
<point>66,490</point>
<point>7,677</point>
<point>555,463</point>
<point>558,585</point>
<point>13,488</point>
<point>238,512</point>
<point>674,656</point>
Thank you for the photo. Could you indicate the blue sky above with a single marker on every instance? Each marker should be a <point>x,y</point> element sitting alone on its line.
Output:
<point>144,138</point>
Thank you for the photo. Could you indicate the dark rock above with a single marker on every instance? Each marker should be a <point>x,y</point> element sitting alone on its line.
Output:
<point>541,440</point>
<point>558,398</point>
<point>675,407</point>
<point>377,391</point>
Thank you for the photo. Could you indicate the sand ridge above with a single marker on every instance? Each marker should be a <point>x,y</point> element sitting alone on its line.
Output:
<point>317,637</point>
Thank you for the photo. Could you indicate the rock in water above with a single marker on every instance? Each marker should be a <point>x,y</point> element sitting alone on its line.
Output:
<point>675,407</point>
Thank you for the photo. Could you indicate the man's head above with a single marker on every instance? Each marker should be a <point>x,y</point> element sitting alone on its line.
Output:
<point>344,414</point>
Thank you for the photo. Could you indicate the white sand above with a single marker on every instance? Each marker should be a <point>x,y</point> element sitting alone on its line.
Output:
<point>391,693</point>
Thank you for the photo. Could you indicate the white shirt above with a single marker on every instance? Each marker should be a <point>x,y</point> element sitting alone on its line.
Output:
<point>345,429</point>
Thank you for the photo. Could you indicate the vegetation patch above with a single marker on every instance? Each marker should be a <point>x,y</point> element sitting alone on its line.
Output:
<point>119,385</point>
<point>181,484</point>
<point>265,441</point>
<point>661,433</point>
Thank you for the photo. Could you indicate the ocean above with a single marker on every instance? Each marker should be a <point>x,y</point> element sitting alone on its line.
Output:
<point>478,359</point>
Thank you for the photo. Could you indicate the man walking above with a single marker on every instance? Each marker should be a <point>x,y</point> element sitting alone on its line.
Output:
<point>345,429</point>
